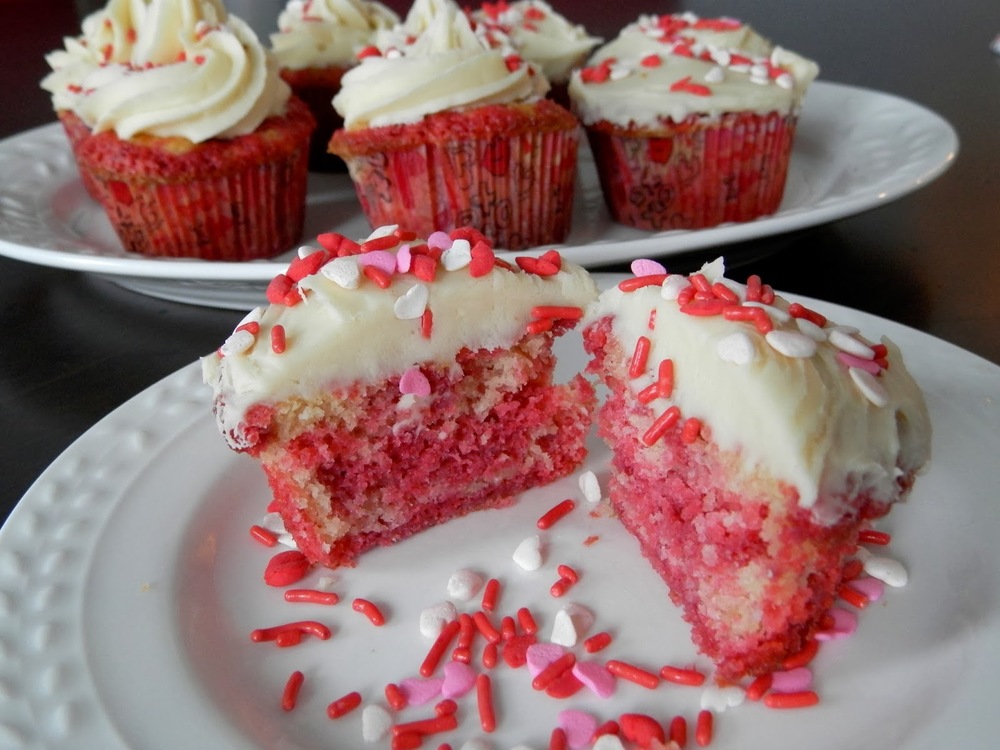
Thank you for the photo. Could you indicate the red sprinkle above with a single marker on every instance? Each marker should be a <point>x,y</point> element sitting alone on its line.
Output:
<point>564,312</point>
<point>384,242</point>
<point>803,657</point>
<point>264,536</point>
<point>445,707</point>
<point>665,378</point>
<point>290,695</point>
<point>296,629</point>
<point>553,670</point>
<point>311,596</point>
<point>426,323</point>
<point>394,697</point>
<point>799,311</point>
<point>369,610</point>
<point>508,628</point>
<point>682,676</point>
<point>437,649</point>
<point>565,571</point>
<point>679,730</point>
<point>638,282</point>
<point>343,705</point>
<point>278,339</point>
<point>380,277</point>
<point>486,628</point>
<point>632,673</point>
<point>560,587</point>
<point>704,728</point>
<point>760,685</point>
<point>484,699</point>
<point>641,729</point>
<point>870,536</point>
<point>286,568</point>
<point>691,430</point>
<point>661,424</point>
<point>608,727</point>
<point>490,655</point>
<point>555,513</point>
<point>443,722</point>
<point>597,642</point>
<point>490,593</point>
<point>753,288</point>
<point>802,699</point>
<point>527,621</point>
<point>639,357</point>
<point>852,596</point>
<point>279,286</point>
<point>558,740</point>
<point>409,741</point>
<point>852,569</point>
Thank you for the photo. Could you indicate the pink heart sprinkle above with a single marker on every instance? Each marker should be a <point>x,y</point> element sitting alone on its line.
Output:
<point>417,691</point>
<point>439,241</point>
<point>381,259</point>
<point>871,588</point>
<point>792,681</point>
<point>459,678</point>
<point>596,677</point>
<point>844,624</point>
<point>647,267</point>
<point>579,727</point>
<point>415,382</point>
<point>403,259</point>
<point>540,655</point>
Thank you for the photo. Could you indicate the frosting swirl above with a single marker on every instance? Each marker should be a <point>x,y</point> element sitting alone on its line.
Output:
<point>166,69</point>
<point>670,67</point>
<point>447,66</point>
<point>320,33</point>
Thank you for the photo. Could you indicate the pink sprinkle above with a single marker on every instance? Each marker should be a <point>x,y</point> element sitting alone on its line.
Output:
<point>868,365</point>
<point>403,259</point>
<point>596,677</point>
<point>845,624</point>
<point>647,267</point>
<point>417,691</point>
<point>415,382</point>
<point>380,259</point>
<point>459,679</point>
<point>439,241</point>
<point>793,681</point>
<point>540,655</point>
<point>579,727</point>
<point>871,588</point>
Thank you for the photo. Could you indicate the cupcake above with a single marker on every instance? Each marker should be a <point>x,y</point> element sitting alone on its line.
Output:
<point>317,41</point>
<point>691,121</point>
<point>445,129</point>
<point>542,36</point>
<point>183,130</point>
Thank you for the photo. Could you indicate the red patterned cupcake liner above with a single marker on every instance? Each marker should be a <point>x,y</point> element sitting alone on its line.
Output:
<point>516,188</point>
<point>694,174</point>
<point>237,199</point>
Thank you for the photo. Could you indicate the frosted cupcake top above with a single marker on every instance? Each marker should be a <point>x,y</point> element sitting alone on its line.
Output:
<point>166,68</point>
<point>347,312</point>
<point>540,35</point>
<point>434,62</point>
<point>816,404</point>
<point>321,33</point>
<point>669,67</point>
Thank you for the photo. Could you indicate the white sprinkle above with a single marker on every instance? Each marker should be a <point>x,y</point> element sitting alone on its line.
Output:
<point>608,742</point>
<point>412,304</point>
<point>344,272</point>
<point>324,583</point>
<point>434,618</point>
<point>253,316</point>
<point>590,487</point>
<point>383,231</point>
<point>618,72</point>
<point>570,624</point>
<point>847,343</point>
<point>237,343</point>
<point>890,572</point>
<point>785,81</point>
<point>721,57</point>
<point>392,54</point>
<point>274,523</point>
<point>375,723</point>
<point>736,348</point>
<point>528,554</point>
<point>458,256</point>
<point>758,70</point>
<point>810,329</point>
<point>715,75</point>
<point>673,285</point>
<point>741,68</point>
<point>464,584</point>
<point>774,313</point>
<point>869,386</point>
<point>718,698</point>
<point>305,251</point>
<point>791,344</point>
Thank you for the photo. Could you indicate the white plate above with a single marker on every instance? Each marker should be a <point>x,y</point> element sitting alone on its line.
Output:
<point>855,149</point>
<point>129,585</point>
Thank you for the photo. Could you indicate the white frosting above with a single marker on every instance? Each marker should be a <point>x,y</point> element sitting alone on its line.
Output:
<point>730,68</point>
<point>446,66</point>
<point>321,33</point>
<point>801,418</point>
<point>540,35</point>
<point>337,336</point>
<point>166,68</point>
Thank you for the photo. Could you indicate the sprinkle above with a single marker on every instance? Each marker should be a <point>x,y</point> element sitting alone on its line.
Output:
<point>414,382</point>
<point>870,588</point>
<point>890,572</point>
<point>369,610</point>
<point>842,624</point>
<point>632,673</point>
<point>555,513</point>
<point>290,695</point>
<point>285,568</point>
<point>869,386</point>
<point>558,739</point>
<point>638,364</point>
<point>703,307</point>
<point>792,680</point>
<point>560,587</point>
<point>375,723</point>
<point>490,594</point>
<point>871,366</point>
<point>597,642</point>
<point>412,304</point>
<point>424,267</point>
<point>556,311</point>
<point>302,627</point>
<point>803,657</point>
<point>344,272</point>
<point>715,75</point>
<point>394,697</point>
<point>760,685</point>
<point>434,618</point>
<point>464,584</point>
<point>802,699</point>
<point>647,267</point>
<point>687,86</point>
<point>660,425</point>
<point>641,729</point>
<point>264,536</point>
<point>578,726</point>
<point>569,624</point>
<point>444,722</point>
<point>678,731</point>
<point>673,285</point>
<point>736,348</point>
<point>528,554</point>
<point>238,342</point>
<point>791,344</point>
<point>691,430</point>
<point>343,705</point>
<point>682,676</point>
<point>459,679</point>
<point>483,259</point>
<point>590,487</point>
<point>311,596</point>
<point>278,342</point>
<point>301,267</point>
<point>800,311</point>
<point>847,343</point>
<point>703,728</point>
<point>484,700</point>
<point>417,692</point>
<point>458,256</point>
<point>553,670</point>
<point>638,282</point>
<point>485,627</point>
<point>720,698</point>
<point>595,677</point>
<point>527,621</point>
<point>426,323</point>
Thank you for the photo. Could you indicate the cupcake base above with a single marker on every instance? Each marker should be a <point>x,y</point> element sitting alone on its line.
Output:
<point>235,199</point>
<point>694,174</point>
<point>317,87</point>
<point>508,171</point>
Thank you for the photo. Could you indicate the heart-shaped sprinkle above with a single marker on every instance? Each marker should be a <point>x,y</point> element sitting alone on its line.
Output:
<point>845,624</point>
<point>419,691</point>
<point>570,624</point>
<point>383,231</point>
<point>673,286</point>
<point>464,584</point>
<point>459,255</point>
<point>736,348</point>
<point>459,679</point>
<point>439,240</point>
<point>792,680</point>
<point>540,655</point>
<point>414,382</point>
<point>375,723</point>
<point>528,554</point>
<point>647,267</point>
<point>579,727</point>
<point>596,677</point>
<point>433,618</point>
<point>890,572</point>
<point>718,698</point>
<point>344,272</point>
<point>871,588</point>
<point>608,742</point>
<point>381,259</point>
<point>404,259</point>
<point>412,304</point>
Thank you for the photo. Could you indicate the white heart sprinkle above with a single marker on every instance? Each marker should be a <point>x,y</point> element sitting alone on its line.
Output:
<point>412,304</point>
<point>382,231</point>
<point>847,343</point>
<point>414,382</point>
<point>434,618</point>
<point>305,251</point>
<point>458,256</point>
<point>608,742</point>
<point>810,329</point>
<point>237,343</point>
<point>344,272</point>
<point>464,584</point>
<point>890,572</point>
<point>528,554</point>
<point>736,348</point>
<point>647,267</point>
<point>869,386</point>
<point>375,723</point>
<point>570,624</point>
<point>673,285</point>
<point>274,523</point>
<point>590,487</point>
<point>791,344</point>
<point>718,698</point>
<point>715,75</point>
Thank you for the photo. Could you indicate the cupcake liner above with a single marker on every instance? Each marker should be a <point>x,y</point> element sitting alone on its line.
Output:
<point>508,171</point>
<point>697,173</point>
<point>77,133</point>
<point>220,200</point>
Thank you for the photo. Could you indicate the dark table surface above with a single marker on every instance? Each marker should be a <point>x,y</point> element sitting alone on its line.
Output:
<point>73,346</point>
